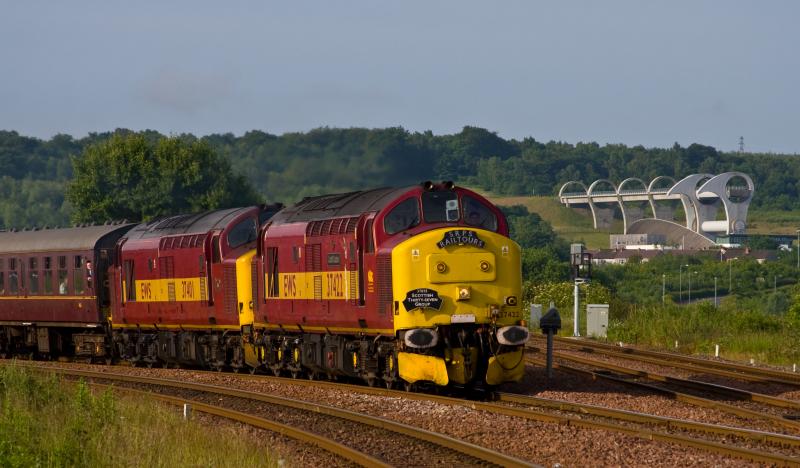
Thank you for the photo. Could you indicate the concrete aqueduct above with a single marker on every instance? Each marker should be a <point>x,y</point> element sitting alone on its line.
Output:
<point>701,196</point>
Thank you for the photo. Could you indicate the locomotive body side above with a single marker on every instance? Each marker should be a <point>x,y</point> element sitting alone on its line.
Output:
<point>176,280</point>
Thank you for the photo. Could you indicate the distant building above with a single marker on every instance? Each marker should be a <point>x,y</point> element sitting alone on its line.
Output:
<point>626,255</point>
<point>646,241</point>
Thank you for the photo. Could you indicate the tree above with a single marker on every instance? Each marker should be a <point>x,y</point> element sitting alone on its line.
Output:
<point>133,176</point>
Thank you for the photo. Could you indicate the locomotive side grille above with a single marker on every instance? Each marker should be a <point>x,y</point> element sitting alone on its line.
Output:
<point>326,227</point>
<point>229,278</point>
<point>337,225</point>
<point>351,225</point>
<point>166,267</point>
<point>316,228</point>
<point>203,291</point>
<point>171,291</point>
<point>353,279</point>
<point>314,257</point>
<point>317,287</point>
<point>384,267</point>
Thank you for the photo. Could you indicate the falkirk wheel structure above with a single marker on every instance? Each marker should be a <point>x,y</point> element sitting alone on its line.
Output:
<point>712,205</point>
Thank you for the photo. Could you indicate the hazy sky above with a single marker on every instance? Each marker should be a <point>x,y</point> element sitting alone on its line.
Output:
<point>633,72</point>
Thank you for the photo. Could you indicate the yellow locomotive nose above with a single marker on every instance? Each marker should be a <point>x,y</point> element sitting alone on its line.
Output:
<point>464,293</point>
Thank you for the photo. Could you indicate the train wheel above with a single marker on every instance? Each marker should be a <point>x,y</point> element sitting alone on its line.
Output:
<point>371,381</point>
<point>312,375</point>
<point>389,384</point>
<point>410,387</point>
<point>253,370</point>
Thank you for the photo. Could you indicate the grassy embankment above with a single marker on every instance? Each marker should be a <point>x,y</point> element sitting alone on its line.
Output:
<point>45,421</point>
<point>741,333</point>
<point>574,225</point>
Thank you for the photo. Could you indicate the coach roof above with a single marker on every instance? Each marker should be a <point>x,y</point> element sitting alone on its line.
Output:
<point>56,240</point>
<point>339,205</point>
<point>196,223</point>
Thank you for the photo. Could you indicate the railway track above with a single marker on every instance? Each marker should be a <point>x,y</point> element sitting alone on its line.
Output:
<point>743,412</point>
<point>778,406</point>
<point>688,363</point>
<point>745,444</point>
<point>427,446</point>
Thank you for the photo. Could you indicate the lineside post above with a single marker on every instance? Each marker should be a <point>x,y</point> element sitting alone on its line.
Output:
<point>581,262</point>
<point>550,323</point>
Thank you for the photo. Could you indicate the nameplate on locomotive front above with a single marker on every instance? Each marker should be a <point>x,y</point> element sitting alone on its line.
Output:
<point>422,298</point>
<point>460,237</point>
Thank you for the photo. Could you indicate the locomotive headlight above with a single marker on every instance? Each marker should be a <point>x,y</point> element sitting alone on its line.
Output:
<point>485,266</point>
<point>421,338</point>
<point>441,267</point>
<point>513,335</point>
<point>464,293</point>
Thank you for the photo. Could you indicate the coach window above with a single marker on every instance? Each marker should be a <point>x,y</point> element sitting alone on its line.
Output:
<point>48,275</point>
<point>33,276</point>
<point>77,275</point>
<point>477,214</point>
<point>13,278</point>
<point>2,276</point>
<point>402,217</point>
<point>62,275</point>
<point>440,207</point>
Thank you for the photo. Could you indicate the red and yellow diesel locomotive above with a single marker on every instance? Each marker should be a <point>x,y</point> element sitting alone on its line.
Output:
<point>397,285</point>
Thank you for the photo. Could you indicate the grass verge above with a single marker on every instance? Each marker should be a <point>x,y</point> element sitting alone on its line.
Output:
<point>46,421</point>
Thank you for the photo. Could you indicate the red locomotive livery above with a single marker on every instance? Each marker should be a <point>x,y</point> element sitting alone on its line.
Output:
<point>175,290</point>
<point>409,285</point>
<point>413,284</point>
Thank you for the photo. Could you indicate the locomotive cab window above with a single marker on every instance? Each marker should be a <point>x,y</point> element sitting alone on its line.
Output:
<point>402,217</point>
<point>479,215</point>
<point>243,233</point>
<point>440,207</point>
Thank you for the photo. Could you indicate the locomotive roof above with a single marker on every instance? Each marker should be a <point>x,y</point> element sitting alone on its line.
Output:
<point>339,205</point>
<point>195,223</point>
<point>54,240</point>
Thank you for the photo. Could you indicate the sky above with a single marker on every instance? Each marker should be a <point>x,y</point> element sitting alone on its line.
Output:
<point>640,73</point>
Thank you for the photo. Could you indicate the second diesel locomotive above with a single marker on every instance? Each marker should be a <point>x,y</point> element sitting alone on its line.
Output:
<point>401,286</point>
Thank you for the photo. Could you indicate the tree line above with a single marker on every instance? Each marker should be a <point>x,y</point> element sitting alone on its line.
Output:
<point>35,173</point>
